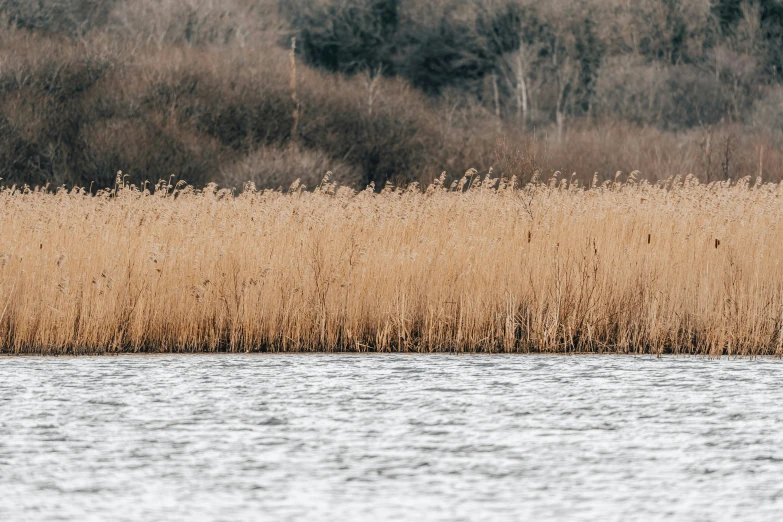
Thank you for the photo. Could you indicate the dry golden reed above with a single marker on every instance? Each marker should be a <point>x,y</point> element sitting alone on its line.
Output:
<point>631,267</point>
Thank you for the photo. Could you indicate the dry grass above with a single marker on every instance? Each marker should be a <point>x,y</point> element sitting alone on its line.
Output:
<point>718,153</point>
<point>628,267</point>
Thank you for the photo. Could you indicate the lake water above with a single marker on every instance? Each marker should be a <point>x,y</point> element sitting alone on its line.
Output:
<point>390,437</point>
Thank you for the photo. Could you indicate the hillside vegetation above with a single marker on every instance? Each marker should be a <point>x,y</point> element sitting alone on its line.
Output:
<point>387,90</point>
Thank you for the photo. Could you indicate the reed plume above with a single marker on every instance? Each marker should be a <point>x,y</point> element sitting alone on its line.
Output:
<point>483,266</point>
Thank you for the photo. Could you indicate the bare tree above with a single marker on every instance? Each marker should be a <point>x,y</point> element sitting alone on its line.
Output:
<point>566,75</point>
<point>517,69</point>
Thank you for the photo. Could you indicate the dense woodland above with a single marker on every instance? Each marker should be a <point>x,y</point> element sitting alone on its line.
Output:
<point>384,91</point>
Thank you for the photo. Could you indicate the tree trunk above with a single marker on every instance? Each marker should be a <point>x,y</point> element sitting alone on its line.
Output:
<point>292,88</point>
<point>497,95</point>
<point>560,118</point>
<point>522,103</point>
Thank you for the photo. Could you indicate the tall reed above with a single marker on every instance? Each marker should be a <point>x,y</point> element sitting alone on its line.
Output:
<point>483,265</point>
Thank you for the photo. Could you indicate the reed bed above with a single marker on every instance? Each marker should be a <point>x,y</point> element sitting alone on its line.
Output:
<point>479,266</point>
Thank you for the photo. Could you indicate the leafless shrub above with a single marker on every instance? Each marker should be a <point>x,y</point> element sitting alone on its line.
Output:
<point>674,97</point>
<point>278,168</point>
<point>69,17</point>
<point>199,22</point>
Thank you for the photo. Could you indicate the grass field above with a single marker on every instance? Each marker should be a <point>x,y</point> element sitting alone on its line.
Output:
<point>623,267</point>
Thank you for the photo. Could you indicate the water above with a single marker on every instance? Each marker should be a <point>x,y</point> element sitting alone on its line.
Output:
<point>390,437</point>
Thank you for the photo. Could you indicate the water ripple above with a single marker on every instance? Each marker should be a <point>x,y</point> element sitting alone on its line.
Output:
<point>390,437</point>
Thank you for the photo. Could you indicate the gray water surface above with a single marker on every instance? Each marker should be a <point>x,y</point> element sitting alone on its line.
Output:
<point>390,437</point>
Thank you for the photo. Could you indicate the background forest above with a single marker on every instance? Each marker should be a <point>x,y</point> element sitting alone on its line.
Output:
<point>387,90</point>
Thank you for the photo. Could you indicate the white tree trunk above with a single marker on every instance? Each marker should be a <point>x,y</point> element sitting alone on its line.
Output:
<point>560,118</point>
<point>522,95</point>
